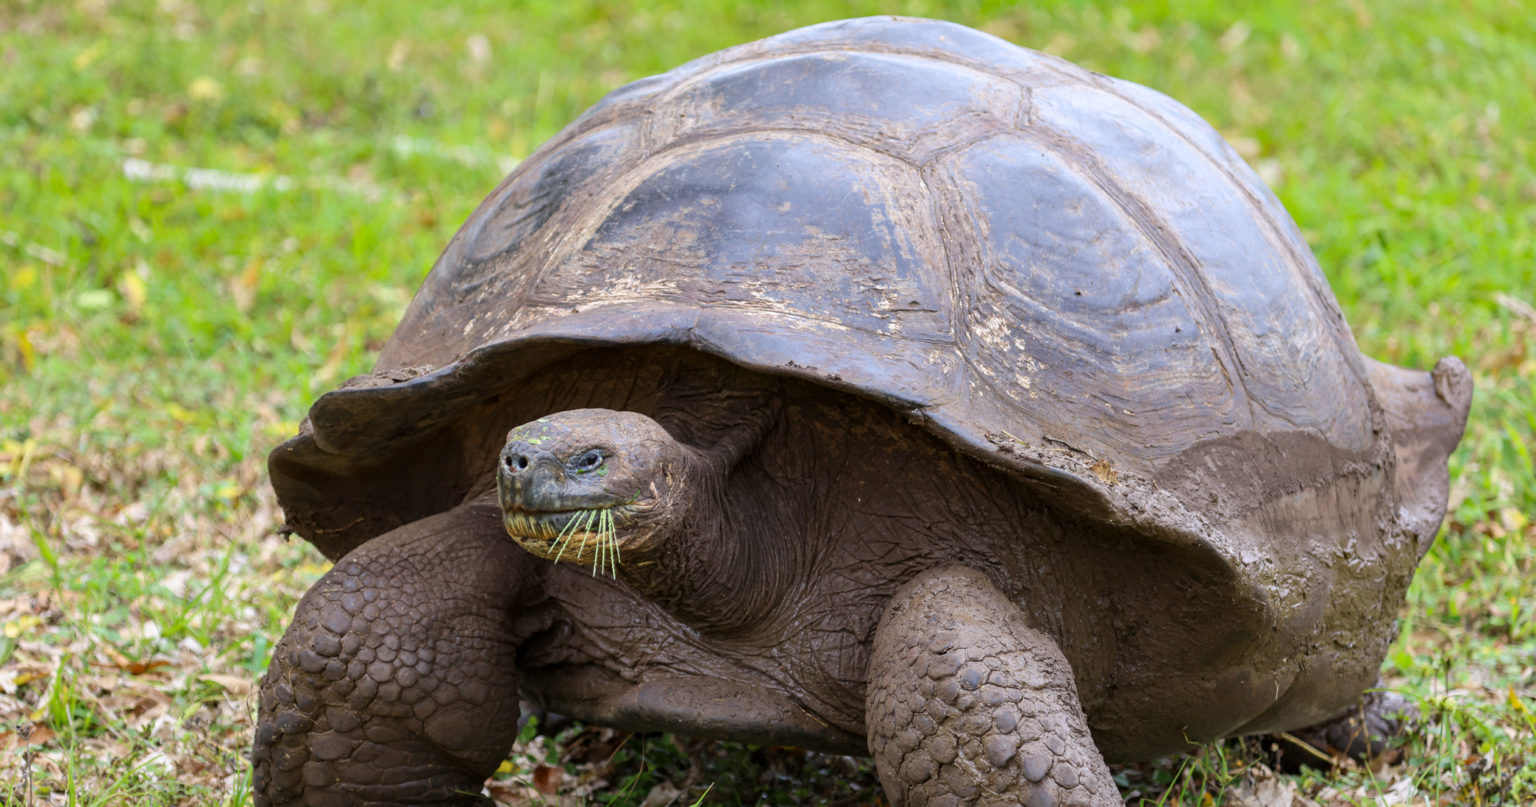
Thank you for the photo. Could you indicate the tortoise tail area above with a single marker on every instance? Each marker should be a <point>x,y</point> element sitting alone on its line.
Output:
<point>1427,414</point>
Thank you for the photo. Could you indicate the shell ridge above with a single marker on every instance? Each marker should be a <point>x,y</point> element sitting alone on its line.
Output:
<point>812,48</point>
<point>783,133</point>
<point>940,188</point>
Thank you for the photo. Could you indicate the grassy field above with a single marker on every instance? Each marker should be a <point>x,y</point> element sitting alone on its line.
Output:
<point>212,212</point>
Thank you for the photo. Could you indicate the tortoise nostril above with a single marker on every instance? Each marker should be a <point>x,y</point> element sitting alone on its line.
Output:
<point>515,462</point>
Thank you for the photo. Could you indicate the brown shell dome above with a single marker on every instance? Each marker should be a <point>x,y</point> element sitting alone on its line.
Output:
<point>1058,272</point>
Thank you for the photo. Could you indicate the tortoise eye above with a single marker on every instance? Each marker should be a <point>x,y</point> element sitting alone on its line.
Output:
<point>589,461</point>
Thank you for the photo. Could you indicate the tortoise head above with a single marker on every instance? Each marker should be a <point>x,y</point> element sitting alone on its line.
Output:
<point>593,486</point>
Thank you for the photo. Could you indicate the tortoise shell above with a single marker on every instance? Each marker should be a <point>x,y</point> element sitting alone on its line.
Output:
<point>1059,273</point>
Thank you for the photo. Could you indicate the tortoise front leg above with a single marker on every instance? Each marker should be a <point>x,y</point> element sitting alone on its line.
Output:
<point>395,681</point>
<point>967,704</point>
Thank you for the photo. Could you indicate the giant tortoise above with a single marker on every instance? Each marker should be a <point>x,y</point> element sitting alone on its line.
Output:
<point>880,387</point>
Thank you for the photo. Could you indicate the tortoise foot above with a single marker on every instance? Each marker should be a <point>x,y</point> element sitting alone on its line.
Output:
<point>395,682</point>
<point>1363,734</point>
<point>969,705</point>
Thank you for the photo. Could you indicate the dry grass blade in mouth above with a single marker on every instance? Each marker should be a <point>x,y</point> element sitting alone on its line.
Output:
<point>603,542</point>
<point>586,536</point>
<point>563,539</point>
<point>613,539</point>
<point>607,545</point>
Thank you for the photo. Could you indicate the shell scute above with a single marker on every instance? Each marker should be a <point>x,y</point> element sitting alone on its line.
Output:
<point>1266,320</point>
<point>804,228</point>
<point>1068,290</point>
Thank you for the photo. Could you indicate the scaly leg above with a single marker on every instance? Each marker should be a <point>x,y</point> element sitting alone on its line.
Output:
<point>395,682</point>
<point>967,704</point>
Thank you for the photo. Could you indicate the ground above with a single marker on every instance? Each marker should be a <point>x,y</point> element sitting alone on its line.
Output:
<point>212,212</point>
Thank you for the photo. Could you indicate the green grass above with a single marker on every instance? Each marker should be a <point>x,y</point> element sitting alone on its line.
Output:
<point>158,336</point>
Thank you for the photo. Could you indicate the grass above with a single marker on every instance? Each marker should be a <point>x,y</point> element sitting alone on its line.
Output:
<point>212,212</point>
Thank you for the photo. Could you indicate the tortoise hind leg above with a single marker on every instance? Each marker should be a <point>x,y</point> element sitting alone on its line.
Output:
<point>395,682</point>
<point>969,705</point>
<point>1363,733</point>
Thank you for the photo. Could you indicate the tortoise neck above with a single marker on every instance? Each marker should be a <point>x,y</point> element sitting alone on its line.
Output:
<point>720,572</point>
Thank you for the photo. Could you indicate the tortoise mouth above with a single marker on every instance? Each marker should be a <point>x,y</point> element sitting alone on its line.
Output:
<point>587,535</point>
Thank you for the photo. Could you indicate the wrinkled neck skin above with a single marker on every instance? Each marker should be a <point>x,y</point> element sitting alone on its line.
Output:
<point>715,573</point>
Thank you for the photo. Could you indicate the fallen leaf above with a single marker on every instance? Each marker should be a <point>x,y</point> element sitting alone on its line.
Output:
<point>29,677</point>
<point>1235,36</point>
<point>1104,472</point>
<point>131,284</point>
<point>511,793</point>
<point>141,667</point>
<point>35,734</point>
<point>662,795</point>
<point>546,779</point>
<point>22,624</point>
<point>87,57</point>
<point>479,47</point>
<point>237,685</point>
<point>205,88</point>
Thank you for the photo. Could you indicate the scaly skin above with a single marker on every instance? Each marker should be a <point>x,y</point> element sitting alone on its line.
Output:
<point>967,704</point>
<point>395,682</point>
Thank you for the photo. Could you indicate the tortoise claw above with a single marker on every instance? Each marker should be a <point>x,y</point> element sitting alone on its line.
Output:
<point>1365,733</point>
